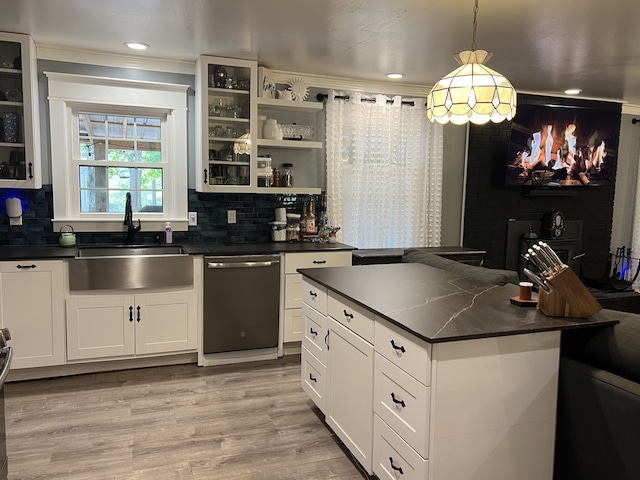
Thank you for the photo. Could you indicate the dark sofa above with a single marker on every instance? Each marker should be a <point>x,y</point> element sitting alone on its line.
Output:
<point>598,416</point>
<point>487,275</point>
<point>598,422</point>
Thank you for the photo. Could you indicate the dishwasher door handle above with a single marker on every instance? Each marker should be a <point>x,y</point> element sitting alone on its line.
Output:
<point>241,264</point>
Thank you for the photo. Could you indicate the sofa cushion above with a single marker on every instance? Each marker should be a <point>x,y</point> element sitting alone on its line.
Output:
<point>489,276</point>
<point>615,349</point>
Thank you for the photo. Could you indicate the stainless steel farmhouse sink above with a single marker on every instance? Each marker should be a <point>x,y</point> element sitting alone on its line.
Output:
<point>125,267</point>
<point>92,251</point>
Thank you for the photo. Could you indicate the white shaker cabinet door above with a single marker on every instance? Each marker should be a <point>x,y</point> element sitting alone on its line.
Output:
<point>166,322</point>
<point>100,326</point>
<point>32,308</point>
<point>350,395</point>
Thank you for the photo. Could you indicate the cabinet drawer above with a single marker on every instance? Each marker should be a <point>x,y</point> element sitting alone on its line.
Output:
<point>393,458</point>
<point>313,378</point>
<point>314,333</point>
<point>351,315</point>
<point>411,355</point>
<point>403,403</point>
<point>294,261</point>
<point>314,295</point>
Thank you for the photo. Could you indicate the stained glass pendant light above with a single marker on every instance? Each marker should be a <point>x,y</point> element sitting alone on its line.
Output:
<point>472,92</point>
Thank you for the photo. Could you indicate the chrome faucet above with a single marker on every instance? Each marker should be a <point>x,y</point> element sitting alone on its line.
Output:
<point>128,221</point>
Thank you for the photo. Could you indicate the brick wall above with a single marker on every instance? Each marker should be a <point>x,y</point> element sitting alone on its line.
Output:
<point>489,204</point>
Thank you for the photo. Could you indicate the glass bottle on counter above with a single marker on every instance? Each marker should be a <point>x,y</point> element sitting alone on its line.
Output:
<point>310,224</point>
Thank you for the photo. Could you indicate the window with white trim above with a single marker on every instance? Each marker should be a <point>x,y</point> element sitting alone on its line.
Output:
<point>119,154</point>
<point>110,137</point>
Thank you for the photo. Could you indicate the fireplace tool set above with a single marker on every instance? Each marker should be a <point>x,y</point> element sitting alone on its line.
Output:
<point>561,294</point>
<point>621,275</point>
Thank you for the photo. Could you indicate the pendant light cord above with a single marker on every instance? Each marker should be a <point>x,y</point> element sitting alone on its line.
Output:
<point>475,27</point>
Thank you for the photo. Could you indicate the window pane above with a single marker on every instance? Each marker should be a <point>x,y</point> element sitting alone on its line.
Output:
<point>148,128</point>
<point>93,177</point>
<point>115,126</point>
<point>122,151</point>
<point>104,189</point>
<point>149,152</point>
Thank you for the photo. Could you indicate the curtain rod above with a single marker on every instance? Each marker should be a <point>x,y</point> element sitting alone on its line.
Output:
<point>323,96</point>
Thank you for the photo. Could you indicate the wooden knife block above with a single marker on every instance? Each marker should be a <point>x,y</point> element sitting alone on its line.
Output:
<point>569,297</point>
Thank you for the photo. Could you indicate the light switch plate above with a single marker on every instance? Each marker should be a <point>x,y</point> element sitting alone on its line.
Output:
<point>193,219</point>
<point>231,216</point>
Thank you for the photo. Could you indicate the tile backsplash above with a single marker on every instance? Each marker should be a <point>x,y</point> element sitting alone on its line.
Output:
<point>253,213</point>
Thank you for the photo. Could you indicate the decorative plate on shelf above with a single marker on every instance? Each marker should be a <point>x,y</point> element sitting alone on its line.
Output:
<point>13,95</point>
<point>299,89</point>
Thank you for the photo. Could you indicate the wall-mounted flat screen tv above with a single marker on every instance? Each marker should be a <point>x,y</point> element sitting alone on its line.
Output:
<point>559,145</point>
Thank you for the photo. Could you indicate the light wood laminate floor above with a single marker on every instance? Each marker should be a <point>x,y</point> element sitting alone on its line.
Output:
<point>248,421</point>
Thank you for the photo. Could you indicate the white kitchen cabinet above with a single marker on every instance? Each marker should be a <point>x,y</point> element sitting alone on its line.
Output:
<point>228,141</point>
<point>293,294</point>
<point>338,365</point>
<point>225,125</point>
<point>406,408</point>
<point>106,326</point>
<point>304,154</point>
<point>19,126</point>
<point>350,391</point>
<point>32,307</point>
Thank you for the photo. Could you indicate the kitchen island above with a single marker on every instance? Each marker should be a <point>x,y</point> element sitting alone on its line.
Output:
<point>428,375</point>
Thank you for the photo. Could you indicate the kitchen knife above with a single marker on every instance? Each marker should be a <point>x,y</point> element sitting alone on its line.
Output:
<point>551,252</point>
<point>547,258</point>
<point>536,279</point>
<point>544,268</point>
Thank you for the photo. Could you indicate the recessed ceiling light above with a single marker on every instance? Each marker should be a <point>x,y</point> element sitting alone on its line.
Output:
<point>137,45</point>
<point>573,91</point>
<point>395,75</point>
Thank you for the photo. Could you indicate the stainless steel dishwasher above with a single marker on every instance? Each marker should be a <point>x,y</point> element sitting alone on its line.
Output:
<point>241,303</point>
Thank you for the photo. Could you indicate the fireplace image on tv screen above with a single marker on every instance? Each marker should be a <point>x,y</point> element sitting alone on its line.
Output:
<point>563,146</point>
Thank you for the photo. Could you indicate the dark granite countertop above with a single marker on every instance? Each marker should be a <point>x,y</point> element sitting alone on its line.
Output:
<point>439,306</point>
<point>35,252</point>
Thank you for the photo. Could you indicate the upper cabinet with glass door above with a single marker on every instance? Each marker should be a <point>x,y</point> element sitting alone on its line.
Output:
<point>225,120</point>
<point>19,119</point>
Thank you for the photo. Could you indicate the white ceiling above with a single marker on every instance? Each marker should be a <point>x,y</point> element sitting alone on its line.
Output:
<point>540,46</point>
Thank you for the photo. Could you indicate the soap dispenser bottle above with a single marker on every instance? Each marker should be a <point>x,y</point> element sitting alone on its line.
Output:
<point>168,233</point>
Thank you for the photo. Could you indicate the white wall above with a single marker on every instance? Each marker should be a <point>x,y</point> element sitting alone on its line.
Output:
<point>626,182</point>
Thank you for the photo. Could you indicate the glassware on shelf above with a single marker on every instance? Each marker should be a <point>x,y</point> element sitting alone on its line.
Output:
<point>287,176</point>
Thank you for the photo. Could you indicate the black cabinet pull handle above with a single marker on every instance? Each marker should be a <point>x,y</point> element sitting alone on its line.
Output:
<point>130,313</point>
<point>25,267</point>
<point>138,317</point>
<point>319,262</point>
<point>312,331</point>
<point>326,339</point>
<point>401,348</point>
<point>30,170</point>
<point>205,176</point>
<point>348,315</point>
<point>312,294</point>
<point>399,402</point>
<point>312,378</point>
<point>397,469</point>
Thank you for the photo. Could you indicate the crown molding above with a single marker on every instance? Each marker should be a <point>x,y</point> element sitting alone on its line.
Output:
<point>629,109</point>
<point>353,84</point>
<point>104,59</point>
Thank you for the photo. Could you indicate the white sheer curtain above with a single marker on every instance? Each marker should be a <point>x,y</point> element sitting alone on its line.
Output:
<point>384,172</point>
<point>635,234</point>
